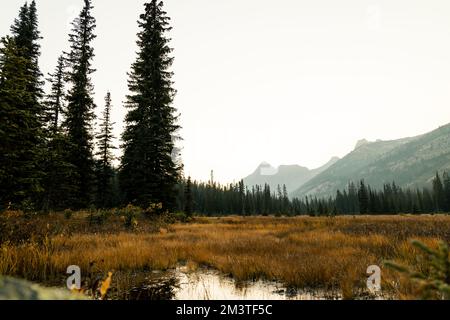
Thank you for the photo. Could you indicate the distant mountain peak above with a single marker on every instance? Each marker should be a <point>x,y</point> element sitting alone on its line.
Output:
<point>293,176</point>
<point>361,143</point>
<point>266,169</point>
<point>334,159</point>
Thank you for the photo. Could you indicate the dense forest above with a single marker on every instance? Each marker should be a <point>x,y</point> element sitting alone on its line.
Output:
<point>215,199</point>
<point>54,157</point>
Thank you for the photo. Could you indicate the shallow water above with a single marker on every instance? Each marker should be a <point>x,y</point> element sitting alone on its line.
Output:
<point>206,284</point>
<point>211,285</point>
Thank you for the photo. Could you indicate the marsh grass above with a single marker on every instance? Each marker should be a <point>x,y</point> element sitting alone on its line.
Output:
<point>301,252</point>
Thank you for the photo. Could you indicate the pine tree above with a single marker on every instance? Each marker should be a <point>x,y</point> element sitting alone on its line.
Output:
<point>286,205</point>
<point>22,109</point>
<point>241,202</point>
<point>188,201</point>
<point>105,171</point>
<point>26,35</point>
<point>446,183</point>
<point>57,168</point>
<point>18,128</point>
<point>55,99</point>
<point>363,198</point>
<point>149,173</point>
<point>80,107</point>
<point>438,191</point>
<point>353,201</point>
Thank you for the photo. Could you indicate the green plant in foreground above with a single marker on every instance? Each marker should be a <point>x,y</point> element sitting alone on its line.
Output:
<point>130,214</point>
<point>435,282</point>
<point>68,214</point>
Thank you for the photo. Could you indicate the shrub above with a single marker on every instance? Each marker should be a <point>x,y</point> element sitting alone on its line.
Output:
<point>154,209</point>
<point>130,214</point>
<point>434,280</point>
<point>68,214</point>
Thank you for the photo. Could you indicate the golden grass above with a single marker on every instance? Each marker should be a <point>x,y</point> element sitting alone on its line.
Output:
<point>331,253</point>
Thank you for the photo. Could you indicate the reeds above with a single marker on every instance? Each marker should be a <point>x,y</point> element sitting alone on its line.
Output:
<point>330,253</point>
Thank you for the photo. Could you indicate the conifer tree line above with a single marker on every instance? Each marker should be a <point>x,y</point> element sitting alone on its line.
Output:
<point>215,199</point>
<point>53,154</point>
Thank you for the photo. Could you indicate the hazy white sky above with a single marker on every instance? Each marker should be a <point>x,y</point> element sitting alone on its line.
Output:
<point>286,81</point>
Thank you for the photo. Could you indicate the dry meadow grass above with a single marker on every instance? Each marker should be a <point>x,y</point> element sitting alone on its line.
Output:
<point>302,252</point>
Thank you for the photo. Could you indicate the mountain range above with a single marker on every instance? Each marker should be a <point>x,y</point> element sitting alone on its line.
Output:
<point>292,176</point>
<point>410,162</point>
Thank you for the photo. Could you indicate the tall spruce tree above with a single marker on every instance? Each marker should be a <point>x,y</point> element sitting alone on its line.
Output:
<point>104,170</point>
<point>80,109</point>
<point>438,192</point>
<point>363,198</point>
<point>188,200</point>
<point>446,184</point>
<point>58,170</point>
<point>26,35</point>
<point>22,116</point>
<point>148,171</point>
<point>18,128</point>
<point>54,104</point>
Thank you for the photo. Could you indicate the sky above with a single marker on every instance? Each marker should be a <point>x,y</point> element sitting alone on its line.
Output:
<point>286,81</point>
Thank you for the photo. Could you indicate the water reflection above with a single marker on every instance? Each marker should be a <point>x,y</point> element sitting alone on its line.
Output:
<point>210,285</point>
<point>181,284</point>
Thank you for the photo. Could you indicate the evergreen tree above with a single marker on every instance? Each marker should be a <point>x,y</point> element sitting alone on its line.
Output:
<point>363,198</point>
<point>286,203</point>
<point>105,171</point>
<point>218,199</point>
<point>188,201</point>
<point>55,99</point>
<point>22,113</point>
<point>353,201</point>
<point>56,166</point>
<point>19,129</point>
<point>80,107</point>
<point>26,35</point>
<point>149,173</point>
<point>241,201</point>
<point>446,183</point>
<point>278,206</point>
<point>438,192</point>
<point>428,202</point>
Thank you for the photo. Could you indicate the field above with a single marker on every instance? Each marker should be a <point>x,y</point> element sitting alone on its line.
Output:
<point>301,252</point>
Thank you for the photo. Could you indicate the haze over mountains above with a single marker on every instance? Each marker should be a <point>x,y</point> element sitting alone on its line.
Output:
<point>410,162</point>
<point>292,176</point>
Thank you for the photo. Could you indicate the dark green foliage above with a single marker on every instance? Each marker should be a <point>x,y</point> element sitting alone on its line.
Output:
<point>20,111</point>
<point>438,191</point>
<point>105,195</point>
<point>285,208</point>
<point>446,183</point>
<point>434,279</point>
<point>363,198</point>
<point>56,162</point>
<point>149,173</point>
<point>59,172</point>
<point>20,129</point>
<point>188,201</point>
<point>26,35</point>
<point>80,115</point>
<point>216,199</point>
<point>54,104</point>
